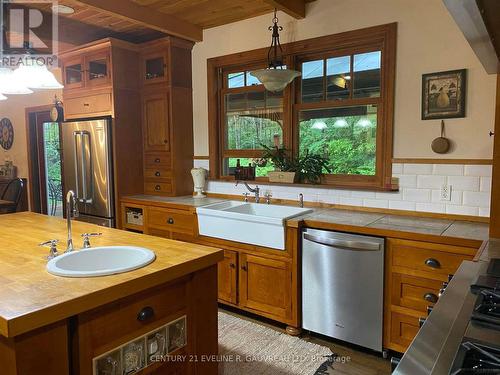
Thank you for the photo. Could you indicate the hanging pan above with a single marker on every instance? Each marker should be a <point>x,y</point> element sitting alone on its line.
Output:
<point>441,145</point>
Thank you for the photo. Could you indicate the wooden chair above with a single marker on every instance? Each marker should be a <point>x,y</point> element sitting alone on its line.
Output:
<point>11,196</point>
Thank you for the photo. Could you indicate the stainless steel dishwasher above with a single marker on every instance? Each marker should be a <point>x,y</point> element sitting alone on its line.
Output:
<point>343,286</point>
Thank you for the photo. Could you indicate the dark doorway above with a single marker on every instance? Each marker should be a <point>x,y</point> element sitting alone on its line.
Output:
<point>44,153</point>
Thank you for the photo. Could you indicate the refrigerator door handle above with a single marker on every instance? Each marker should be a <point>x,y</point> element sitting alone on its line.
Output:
<point>85,166</point>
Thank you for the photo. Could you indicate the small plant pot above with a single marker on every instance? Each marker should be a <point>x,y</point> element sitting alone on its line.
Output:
<point>284,177</point>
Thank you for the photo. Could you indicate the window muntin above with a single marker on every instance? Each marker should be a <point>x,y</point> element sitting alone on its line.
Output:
<point>346,135</point>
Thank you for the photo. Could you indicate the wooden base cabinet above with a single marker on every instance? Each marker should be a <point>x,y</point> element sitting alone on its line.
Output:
<point>415,273</point>
<point>265,285</point>
<point>227,272</point>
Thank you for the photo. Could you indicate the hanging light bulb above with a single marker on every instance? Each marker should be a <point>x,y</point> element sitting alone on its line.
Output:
<point>36,77</point>
<point>276,77</point>
<point>9,85</point>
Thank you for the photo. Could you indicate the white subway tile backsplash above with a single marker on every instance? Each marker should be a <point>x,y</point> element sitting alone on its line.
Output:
<point>407,180</point>
<point>431,207</point>
<point>470,183</point>
<point>430,182</point>
<point>402,205</point>
<point>419,186</point>
<point>417,169</point>
<point>479,199</point>
<point>201,163</point>
<point>478,170</point>
<point>462,210</point>
<point>351,201</point>
<point>484,211</point>
<point>485,184</point>
<point>417,195</point>
<point>448,169</point>
<point>397,168</point>
<point>376,203</point>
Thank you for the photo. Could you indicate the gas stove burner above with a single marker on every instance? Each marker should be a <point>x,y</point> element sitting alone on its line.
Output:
<point>487,309</point>
<point>475,358</point>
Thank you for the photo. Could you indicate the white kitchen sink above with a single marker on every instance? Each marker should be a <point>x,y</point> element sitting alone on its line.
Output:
<point>100,261</point>
<point>252,223</point>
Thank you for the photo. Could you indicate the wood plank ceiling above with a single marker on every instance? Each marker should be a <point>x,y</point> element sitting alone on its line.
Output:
<point>201,14</point>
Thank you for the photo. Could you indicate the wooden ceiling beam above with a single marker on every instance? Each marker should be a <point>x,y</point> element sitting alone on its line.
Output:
<point>294,8</point>
<point>165,23</point>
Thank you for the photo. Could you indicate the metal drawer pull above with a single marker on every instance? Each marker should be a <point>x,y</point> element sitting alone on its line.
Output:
<point>431,297</point>
<point>170,220</point>
<point>429,310</point>
<point>157,160</point>
<point>157,187</point>
<point>433,263</point>
<point>244,268</point>
<point>421,322</point>
<point>157,174</point>
<point>145,314</point>
<point>343,244</point>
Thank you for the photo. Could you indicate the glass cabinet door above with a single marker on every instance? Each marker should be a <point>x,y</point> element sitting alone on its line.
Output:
<point>73,73</point>
<point>155,68</point>
<point>97,72</point>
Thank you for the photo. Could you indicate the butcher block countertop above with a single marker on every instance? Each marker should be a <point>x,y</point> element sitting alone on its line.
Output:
<point>30,297</point>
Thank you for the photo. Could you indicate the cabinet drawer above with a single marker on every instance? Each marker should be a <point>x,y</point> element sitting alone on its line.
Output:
<point>404,328</point>
<point>172,220</point>
<point>98,103</point>
<point>414,292</point>
<point>160,173</point>
<point>106,327</point>
<point>158,187</point>
<point>428,257</point>
<point>153,160</point>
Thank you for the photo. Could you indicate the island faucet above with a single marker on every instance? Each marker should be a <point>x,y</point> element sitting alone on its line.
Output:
<point>255,190</point>
<point>71,211</point>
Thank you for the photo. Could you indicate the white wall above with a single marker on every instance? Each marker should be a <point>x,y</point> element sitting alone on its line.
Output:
<point>428,41</point>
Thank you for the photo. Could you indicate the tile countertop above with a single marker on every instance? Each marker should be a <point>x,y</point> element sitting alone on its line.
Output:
<point>350,220</point>
<point>410,224</point>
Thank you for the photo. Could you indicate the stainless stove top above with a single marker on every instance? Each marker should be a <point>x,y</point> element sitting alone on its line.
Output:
<point>434,349</point>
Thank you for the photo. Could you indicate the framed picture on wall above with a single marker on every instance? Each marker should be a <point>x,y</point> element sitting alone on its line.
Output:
<point>443,94</point>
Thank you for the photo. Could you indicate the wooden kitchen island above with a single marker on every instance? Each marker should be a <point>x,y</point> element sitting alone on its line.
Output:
<point>57,325</point>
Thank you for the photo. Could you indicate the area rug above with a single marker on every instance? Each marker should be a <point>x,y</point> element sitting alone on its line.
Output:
<point>247,348</point>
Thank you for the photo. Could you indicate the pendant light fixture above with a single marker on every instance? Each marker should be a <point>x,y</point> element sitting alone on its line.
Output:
<point>3,97</point>
<point>9,86</point>
<point>36,77</point>
<point>276,77</point>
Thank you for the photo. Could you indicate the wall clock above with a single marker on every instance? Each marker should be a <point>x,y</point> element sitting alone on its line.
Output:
<point>6,133</point>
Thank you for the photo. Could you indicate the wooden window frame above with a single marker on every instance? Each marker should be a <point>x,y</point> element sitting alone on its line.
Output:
<point>381,38</point>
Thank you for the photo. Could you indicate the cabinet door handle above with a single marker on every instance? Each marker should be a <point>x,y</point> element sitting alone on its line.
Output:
<point>421,322</point>
<point>157,160</point>
<point>165,141</point>
<point>244,268</point>
<point>433,263</point>
<point>157,174</point>
<point>86,104</point>
<point>157,187</point>
<point>145,314</point>
<point>170,220</point>
<point>431,297</point>
<point>232,265</point>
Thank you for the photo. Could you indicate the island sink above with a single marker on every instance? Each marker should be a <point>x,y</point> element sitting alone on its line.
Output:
<point>100,261</point>
<point>252,223</point>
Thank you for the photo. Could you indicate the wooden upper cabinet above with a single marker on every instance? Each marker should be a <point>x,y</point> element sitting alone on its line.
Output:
<point>154,67</point>
<point>156,122</point>
<point>265,285</point>
<point>227,272</point>
<point>87,69</point>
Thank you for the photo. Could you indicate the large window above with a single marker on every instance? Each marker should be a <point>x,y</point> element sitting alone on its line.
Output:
<point>341,107</point>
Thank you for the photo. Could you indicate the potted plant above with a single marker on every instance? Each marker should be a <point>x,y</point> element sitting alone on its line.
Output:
<point>309,168</point>
<point>283,163</point>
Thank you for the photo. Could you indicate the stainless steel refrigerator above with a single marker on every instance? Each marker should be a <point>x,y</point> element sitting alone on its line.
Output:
<point>87,169</point>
